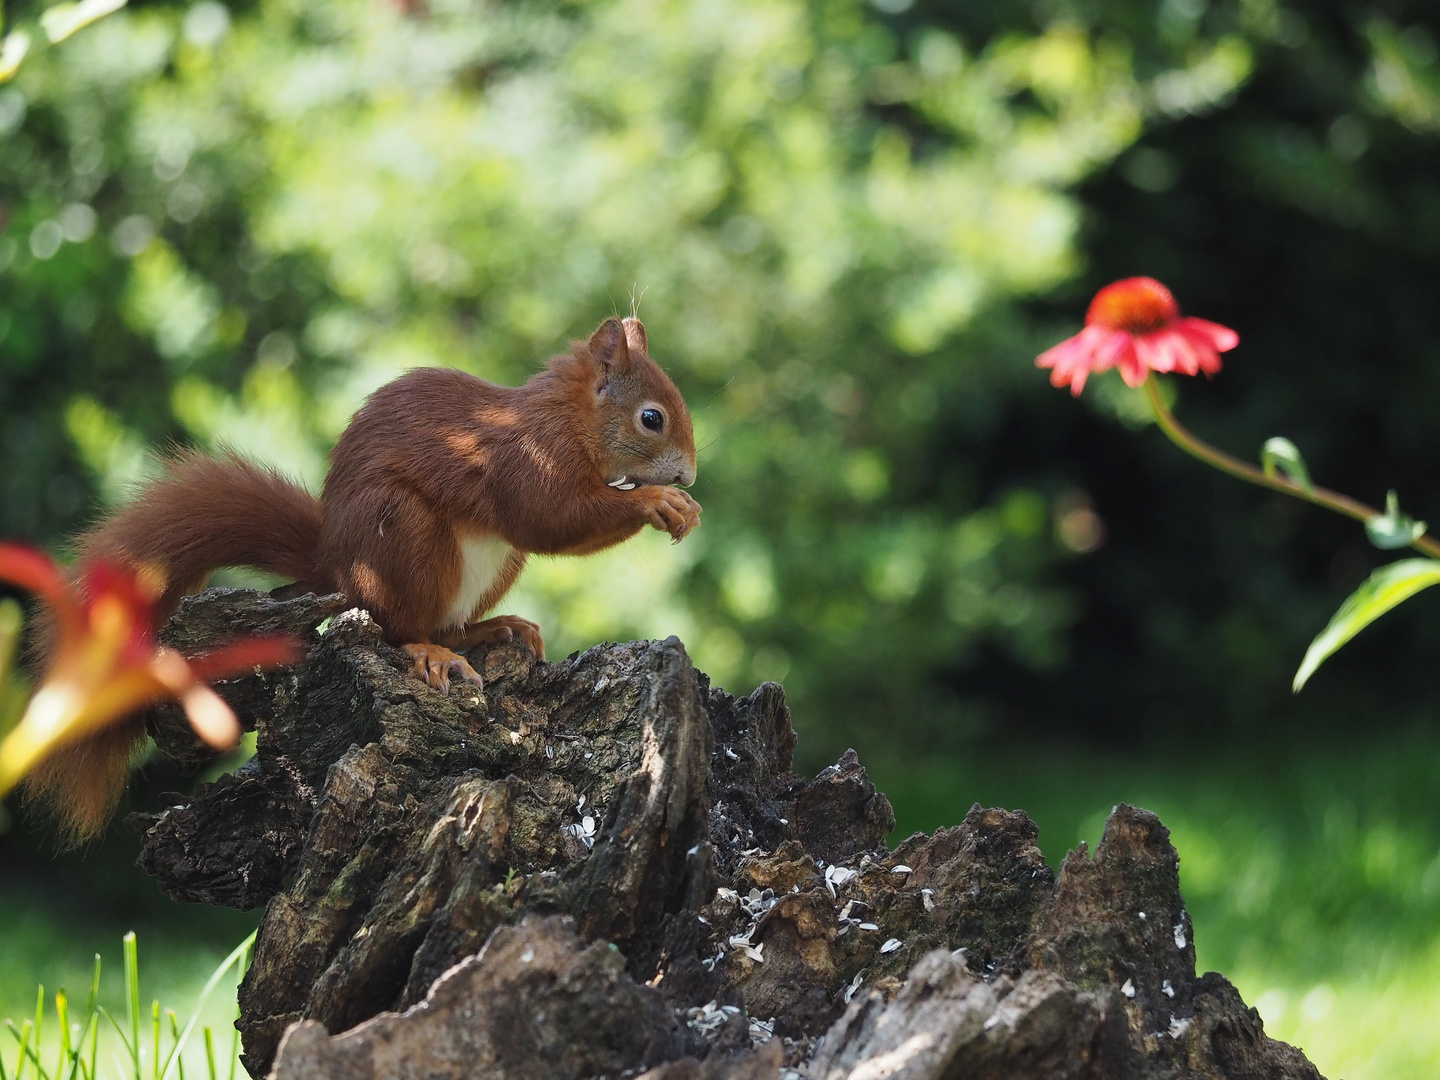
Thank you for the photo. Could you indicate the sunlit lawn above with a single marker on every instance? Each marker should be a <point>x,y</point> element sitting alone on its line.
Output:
<point>1312,875</point>
<point>52,940</point>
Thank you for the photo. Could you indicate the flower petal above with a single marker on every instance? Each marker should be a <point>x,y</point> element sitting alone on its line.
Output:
<point>32,570</point>
<point>1179,352</point>
<point>64,711</point>
<point>36,572</point>
<point>1131,369</point>
<point>212,719</point>
<point>1203,344</point>
<point>136,589</point>
<point>47,718</point>
<point>1093,349</point>
<point>1073,350</point>
<point>1073,359</point>
<point>1113,351</point>
<point>1153,352</point>
<point>1076,379</point>
<point>246,654</point>
<point>1188,358</point>
<point>1220,338</point>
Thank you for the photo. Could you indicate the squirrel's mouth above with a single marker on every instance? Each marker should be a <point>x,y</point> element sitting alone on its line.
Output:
<point>679,473</point>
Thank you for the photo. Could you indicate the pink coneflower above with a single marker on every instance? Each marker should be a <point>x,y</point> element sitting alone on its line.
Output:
<point>1135,325</point>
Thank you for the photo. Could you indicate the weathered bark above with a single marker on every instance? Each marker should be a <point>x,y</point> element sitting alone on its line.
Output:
<point>536,1002</point>
<point>603,866</point>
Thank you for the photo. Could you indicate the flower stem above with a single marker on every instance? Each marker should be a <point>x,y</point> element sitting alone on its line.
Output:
<point>1243,470</point>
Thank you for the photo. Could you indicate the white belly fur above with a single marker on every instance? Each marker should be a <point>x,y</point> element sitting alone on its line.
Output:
<point>484,558</point>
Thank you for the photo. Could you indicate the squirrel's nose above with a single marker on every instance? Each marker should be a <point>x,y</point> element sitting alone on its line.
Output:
<point>685,477</point>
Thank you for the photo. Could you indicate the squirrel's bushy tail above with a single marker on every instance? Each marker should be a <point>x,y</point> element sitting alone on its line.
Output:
<point>204,513</point>
<point>201,514</point>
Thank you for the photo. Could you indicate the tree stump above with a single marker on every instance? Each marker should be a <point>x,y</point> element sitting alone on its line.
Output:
<point>606,867</point>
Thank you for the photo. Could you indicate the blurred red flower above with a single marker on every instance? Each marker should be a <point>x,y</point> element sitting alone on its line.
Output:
<point>105,663</point>
<point>1135,325</point>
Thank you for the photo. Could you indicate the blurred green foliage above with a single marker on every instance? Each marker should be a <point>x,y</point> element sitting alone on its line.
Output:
<point>852,228</point>
<point>230,226</point>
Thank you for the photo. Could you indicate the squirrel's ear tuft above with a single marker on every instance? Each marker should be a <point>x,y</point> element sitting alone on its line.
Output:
<point>635,336</point>
<point>608,346</point>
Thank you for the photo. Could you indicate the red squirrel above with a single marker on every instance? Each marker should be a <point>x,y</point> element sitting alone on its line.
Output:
<point>438,490</point>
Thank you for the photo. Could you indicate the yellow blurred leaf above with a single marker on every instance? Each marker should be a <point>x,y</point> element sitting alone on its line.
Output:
<point>63,20</point>
<point>13,49</point>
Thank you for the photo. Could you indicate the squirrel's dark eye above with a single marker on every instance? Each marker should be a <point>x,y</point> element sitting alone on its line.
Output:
<point>652,419</point>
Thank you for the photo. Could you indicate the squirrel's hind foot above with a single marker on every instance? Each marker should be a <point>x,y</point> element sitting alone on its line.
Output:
<point>435,663</point>
<point>503,628</point>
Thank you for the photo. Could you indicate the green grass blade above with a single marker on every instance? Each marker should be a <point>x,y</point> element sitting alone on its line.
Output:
<point>1381,591</point>
<point>77,1064</point>
<point>237,954</point>
<point>94,998</point>
<point>132,998</point>
<point>95,1029</point>
<point>155,1031</point>
<point>120,1031</point>
<point>39,1023</point>
<point>175,1038</point>
<point>32,1055</point>
<point>92,1028</point>
<point>22,1034</point>
<point>248,945</point>
<point>210,1051</point>
<point>62,1016</point>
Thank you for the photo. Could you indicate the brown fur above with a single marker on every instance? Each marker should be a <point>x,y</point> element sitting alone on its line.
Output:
<point>431,459</point>
<point>82,782</point>
<point>205,513</point>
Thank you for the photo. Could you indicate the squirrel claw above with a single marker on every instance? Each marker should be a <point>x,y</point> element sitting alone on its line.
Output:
<point>435,663</point>
<point>673,510</point>
<point>503,628</point>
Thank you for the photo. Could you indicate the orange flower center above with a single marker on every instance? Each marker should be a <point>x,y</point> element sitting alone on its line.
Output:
<point>1138,305</point>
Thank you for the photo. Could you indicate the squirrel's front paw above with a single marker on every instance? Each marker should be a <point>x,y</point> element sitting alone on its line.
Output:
<point>672,510</point>
<point>434,663</point>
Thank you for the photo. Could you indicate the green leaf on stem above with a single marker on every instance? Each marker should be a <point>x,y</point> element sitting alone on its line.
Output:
<point>1283,456</point>
<point>1393,530</point>
<point>1383,590</point>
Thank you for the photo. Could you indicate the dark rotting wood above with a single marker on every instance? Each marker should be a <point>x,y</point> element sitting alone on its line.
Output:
<point>606,867</point>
